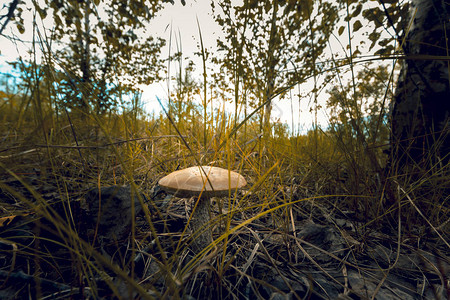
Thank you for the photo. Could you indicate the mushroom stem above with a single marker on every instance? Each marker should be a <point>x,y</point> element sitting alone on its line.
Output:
<point>200,224</point>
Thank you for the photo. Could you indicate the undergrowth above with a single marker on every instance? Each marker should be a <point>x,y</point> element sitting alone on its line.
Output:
<point>51,156</point>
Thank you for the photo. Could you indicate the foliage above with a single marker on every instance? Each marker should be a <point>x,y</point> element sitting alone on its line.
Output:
<point>396,15</point>
<point>271,45</point>
<point>364,104</point>
<point>101,49</point>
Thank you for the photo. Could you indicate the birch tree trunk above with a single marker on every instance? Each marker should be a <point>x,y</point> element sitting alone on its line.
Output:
<point>270,72</point>
<point>421,106</point>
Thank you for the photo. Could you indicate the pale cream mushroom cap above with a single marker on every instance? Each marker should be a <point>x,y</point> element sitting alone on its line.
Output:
<point>191,181</point>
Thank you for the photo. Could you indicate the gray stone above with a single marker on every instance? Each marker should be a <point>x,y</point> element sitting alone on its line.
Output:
<point>110,208</point>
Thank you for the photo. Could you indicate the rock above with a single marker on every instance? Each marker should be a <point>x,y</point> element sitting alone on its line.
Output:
<point>279,296</point>
<point>326,238</point>
<point>111,209</point>
<point>368,285</point>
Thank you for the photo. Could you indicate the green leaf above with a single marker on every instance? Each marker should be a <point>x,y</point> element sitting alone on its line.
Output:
<point>58,21</point>
<point>374,36</point>
<point>374,15</point>
<point>389,49</point>
<point>21,28</point>
<point>357,25</point>
<point>357,10</point>
<point>341,30</point>
<point>42,12</point>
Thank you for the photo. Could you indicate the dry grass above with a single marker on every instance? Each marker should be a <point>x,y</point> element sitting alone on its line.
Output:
<point>46,169</point>
<point>49,158</point>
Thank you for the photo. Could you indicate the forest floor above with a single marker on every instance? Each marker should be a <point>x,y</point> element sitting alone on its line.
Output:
<point>316,252</point>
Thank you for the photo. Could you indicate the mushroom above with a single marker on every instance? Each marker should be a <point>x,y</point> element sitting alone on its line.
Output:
<point>206,182</point>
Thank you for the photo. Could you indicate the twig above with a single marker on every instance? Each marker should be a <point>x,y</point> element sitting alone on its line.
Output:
<point>17,154</point>
<point>108,144</point>
<point>10,15</point>
<point>21,278</point>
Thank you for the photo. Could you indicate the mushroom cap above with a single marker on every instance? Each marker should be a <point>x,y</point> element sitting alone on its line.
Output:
<point>191,181</point>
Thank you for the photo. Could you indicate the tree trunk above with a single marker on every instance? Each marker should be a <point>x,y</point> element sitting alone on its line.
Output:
<point>85,62</point>
<point>421,106</point>
<point>270,72</point>
<point>83,40</point>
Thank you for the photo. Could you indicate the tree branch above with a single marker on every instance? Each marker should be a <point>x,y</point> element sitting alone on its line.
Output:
<point>9,15</point>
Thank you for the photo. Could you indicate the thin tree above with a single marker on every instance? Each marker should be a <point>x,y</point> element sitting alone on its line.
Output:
<point>264,38</point>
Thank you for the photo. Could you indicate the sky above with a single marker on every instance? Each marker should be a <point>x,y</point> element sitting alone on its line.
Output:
<point>183,22</point>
